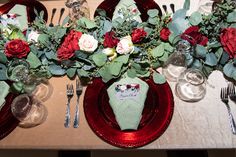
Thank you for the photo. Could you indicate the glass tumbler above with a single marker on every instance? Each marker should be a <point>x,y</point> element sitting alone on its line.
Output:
<point>29,111</point>
<point>191,85</point>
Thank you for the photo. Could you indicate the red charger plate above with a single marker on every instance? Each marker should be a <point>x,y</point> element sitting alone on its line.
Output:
<point>7,121</point>
<point>30,5</point>
<point>156,115</point>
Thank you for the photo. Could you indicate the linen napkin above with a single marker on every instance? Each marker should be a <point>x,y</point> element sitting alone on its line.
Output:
<point>3,92</point>
<point>127,5</point>
<point>20,11</point>
<point>127,98</point>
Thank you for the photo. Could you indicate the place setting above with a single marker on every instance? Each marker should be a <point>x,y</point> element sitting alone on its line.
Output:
<point>127,57</point>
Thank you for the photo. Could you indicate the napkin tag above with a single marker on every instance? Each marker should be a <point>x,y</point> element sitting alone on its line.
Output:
<point>127,91</point>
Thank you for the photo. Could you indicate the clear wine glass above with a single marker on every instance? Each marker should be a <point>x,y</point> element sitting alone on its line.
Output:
<point>28,110</point>
<point>191,85</point>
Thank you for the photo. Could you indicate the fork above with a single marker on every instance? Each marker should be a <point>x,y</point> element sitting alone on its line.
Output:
<point>79,90</point>
<point>231,91</point>
<point>224,98</point>
<point>69,94</point>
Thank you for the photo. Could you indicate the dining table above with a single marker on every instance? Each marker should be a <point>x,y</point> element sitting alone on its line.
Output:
<point>199,125</point>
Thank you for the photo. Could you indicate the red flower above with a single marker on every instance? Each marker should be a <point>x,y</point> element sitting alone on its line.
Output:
<point>164,34</point>
<point>69,45</point>
<point>228,40</point>
<point>17,48</point>
<point>193,36</point>
<point>109,40</point>
<point>138,35</point>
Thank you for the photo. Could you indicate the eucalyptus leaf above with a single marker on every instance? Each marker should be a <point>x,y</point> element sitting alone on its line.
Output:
<point>229,70</point>
<point>71,72</point>
<point>219,53</point>
<point>153,12</point>
<point>224,58</point>
<point>164,58</point>
<point>33,60</point>
<point>99,59</point>
<point>3,71</point>
<point>65,21</point>
<point>211,59</point>
<point>82,73</point>
<point>3,58</point>
<point>107,26</point>
<point>231,17</point>
<point>57,70</point>
<point>158,51</point>
<point>123,59</point>
<point>158,78</point>
<point>105,74</point>
<point>86,23</point>
<point>115,68</point>
<point>131,73</point>
<point>201,51</point>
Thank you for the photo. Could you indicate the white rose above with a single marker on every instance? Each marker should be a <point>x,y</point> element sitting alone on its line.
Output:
<point>33,36</point>
<point>125,46</point>
<point>88,43</point>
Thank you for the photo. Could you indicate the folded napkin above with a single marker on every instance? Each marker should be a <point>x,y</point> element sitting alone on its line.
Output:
<point>20,11</point>
<point>127,5</point>
<point>3,92</point>
<point>127,98</point>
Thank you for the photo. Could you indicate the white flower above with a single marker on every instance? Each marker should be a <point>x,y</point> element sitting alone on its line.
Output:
<point>33,36</point>
<point>88,43</point>
<point>125,46</point>
<point>110,52</point>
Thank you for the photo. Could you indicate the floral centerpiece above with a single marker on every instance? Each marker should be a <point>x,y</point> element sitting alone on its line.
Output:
<point>109,48</point>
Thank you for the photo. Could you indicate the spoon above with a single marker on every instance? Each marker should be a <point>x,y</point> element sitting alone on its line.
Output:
<point>53,13</point>
<point>61,13</point>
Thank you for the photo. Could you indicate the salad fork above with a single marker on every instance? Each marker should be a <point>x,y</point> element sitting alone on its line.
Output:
<point>79,90</point>
<point>69,93</point>
<point>225,100</point>
<point>231,90</point>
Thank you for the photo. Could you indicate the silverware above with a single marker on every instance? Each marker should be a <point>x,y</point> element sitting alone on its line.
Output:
<point>69,94</point>
<point>79,90</point>
<point>61,13</point>
<point>53,14</point>
<point>231,92</point>
<point>224,98</point>
<point>172,6</point>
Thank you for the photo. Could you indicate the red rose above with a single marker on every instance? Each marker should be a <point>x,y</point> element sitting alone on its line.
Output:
<point>164,34</point>
<point>109,40</point>
<point>17,48</point>
<point>193,36</point>
<point>138,35</point>
<point>69,45</point>
<point>228,40</point>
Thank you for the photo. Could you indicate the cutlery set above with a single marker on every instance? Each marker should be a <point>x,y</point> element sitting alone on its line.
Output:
<point>54,10</point>
<point>70,94</point>
<point>226,94</point>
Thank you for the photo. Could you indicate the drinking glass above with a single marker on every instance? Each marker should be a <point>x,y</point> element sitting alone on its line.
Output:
<point>176,63</point>
<point>191,85</point>
<point>28,110</point>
